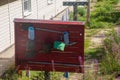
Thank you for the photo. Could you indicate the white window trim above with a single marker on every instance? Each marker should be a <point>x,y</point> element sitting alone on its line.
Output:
<point>49,2</point>
<point>27,12</point>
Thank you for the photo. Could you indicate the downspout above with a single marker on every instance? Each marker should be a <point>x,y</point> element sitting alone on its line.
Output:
<point>55,7</point>
<point>37,7</point>
<point>22,9</point>
<point>9,22</point>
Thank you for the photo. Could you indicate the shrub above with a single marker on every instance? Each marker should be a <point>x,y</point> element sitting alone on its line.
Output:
<point>109,65</point>
<point>104,14</point>
<point>71,16</point>
<point>99,24</point>
<point>118,22</point>
<point>113,1</point>
<point>81,14</point>
<point>10,74</point>
<point>81,11</point>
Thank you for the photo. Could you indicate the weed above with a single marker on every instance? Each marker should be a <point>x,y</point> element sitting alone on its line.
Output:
<point>110,62</point>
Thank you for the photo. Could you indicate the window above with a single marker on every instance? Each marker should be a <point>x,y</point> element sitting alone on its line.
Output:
<point>50,2</point>
<point>27,7</point>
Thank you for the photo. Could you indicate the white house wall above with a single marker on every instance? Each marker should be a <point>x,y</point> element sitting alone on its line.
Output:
<point>59,6</point>
<point>15,11</point>
<point>45,10</point>
<point>4,26</point>
<point>10,9</point>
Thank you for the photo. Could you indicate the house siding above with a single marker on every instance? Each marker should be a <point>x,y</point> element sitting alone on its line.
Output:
<point>4,26</point>
<point>45,11</point>
<point>10,9</point>
<point>15,11</point>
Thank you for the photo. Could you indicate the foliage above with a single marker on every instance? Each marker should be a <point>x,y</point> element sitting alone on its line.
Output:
<point>118,21</point>
<point>91,32</point>
<point>81,14</point>
<point>113,1</point>
<point>71,16</point>
<point>110,63</point>
<point>10,74</point>
<point>104,14</point>
<point>99,24</point>
<point>87,43</point>
<point>81,11</point>
<point>95,53</point>
<point>110,1</point>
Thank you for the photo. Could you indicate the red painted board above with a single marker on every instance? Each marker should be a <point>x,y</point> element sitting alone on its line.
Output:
<point>70,60</point>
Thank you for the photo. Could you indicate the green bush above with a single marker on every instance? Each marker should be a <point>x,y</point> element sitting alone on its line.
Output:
<point>99,24</point>
<point>104,14</point>
<point>71,16</point>
<point>109,1</point>
<point>81,14</point>
<point>118,22</point>
<point>113,1</point>
<point>81,11</point>
<point>100,0</point>
<point>10,74</point>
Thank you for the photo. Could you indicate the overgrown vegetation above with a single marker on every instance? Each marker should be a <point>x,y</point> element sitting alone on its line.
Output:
<point>105,15</point>
<point>108,57</point>
<point>12,74</point>
<point>81,14</point>
<point>111,60</point>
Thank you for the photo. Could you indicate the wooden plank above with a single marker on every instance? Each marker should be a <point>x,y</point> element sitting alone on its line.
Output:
<point>73,3</point>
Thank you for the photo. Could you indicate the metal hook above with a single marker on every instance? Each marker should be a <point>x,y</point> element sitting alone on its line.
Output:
<point>80,60</point>
<point>53,64</point>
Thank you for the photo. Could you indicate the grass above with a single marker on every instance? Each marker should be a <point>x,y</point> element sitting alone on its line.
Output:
<point>95,53</point>
<point>39,75</point>
<point>33,75</point>
<point>11,74</point>
<point>87,43</point>
<point>88,34</point>
<point>91,32</point>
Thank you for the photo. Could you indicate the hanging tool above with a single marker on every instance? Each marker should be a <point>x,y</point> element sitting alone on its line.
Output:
<point>65,34</point>
<point>53,65</point>
<point>66,38</point>
<point>30,50</point>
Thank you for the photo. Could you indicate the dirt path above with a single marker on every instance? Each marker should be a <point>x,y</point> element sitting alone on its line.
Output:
<point>97,40</point>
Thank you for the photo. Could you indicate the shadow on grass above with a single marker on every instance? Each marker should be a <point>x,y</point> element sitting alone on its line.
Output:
<point>95,53</point>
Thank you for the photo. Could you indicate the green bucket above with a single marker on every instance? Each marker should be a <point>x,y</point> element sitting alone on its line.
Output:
<point>59,45</point>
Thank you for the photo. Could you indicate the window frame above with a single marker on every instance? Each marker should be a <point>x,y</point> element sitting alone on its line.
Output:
<point>27,8</point>
<point>49,2</point>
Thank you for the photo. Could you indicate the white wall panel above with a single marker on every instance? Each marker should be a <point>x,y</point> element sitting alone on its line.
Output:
<point>4,25</point>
